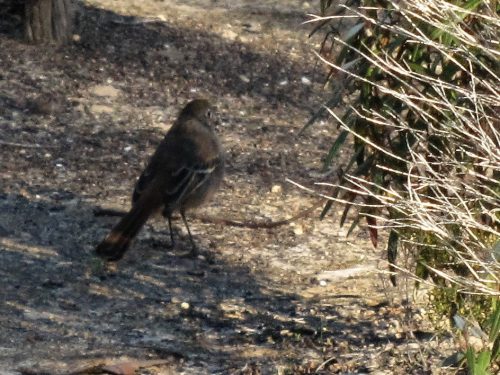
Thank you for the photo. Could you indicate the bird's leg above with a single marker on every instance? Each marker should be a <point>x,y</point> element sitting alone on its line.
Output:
<point>172,241</point>
<point>194,249</point>
<point>168,216</point>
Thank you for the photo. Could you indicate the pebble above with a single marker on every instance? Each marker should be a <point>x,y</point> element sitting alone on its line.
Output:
<point>276,189</point>
<point>229,34</point>
<point>107,91</point>
<point>306,81</point>
<point>298,230</point>
<point>100,108</point>
<point>244,78</point>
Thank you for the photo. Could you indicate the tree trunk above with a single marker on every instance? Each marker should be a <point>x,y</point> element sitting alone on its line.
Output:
<point>48,21</point>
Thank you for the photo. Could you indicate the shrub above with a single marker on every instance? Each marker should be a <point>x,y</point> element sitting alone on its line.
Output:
<point>423,114</point>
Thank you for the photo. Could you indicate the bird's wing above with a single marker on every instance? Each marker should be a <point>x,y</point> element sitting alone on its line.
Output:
<point>187,180</point>
<point>177,171</point>
<point>144,180</point>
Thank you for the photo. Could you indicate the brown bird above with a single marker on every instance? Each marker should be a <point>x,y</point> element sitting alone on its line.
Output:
<point>183,173</point>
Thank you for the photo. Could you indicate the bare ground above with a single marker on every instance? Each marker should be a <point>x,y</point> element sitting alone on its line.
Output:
<point>77,125</point>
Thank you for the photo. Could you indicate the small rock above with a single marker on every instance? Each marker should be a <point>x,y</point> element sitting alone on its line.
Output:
<point>369,314</point>
<point>414,347</point>
<point>98,109</point>
<point>475,343</point>
<point>185,306</point>
<point>106,91</point>
<point>244,78</point>
<point>305,81</point>
<point>276,189</point>
<point>298,230</point>
<point>229,34</point>
<point>252,27</point>
<point>286,333</point>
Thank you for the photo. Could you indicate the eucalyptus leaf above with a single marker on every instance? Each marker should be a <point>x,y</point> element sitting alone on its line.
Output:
<point>459,322</point>
<point>353,31</point>
<point>335,149</point>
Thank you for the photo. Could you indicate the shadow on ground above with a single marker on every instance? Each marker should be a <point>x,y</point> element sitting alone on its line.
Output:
<point>154,304</point>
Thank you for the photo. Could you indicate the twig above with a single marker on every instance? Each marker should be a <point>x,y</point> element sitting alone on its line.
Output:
<point>99,211</point>
<point>320,367</point>
<point>24,145</point>
<point>260,224</point>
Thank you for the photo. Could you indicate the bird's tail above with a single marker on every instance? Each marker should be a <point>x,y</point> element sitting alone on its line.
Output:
<point>118,240</point>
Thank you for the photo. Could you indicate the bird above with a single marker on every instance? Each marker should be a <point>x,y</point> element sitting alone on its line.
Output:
<point>183,173</point>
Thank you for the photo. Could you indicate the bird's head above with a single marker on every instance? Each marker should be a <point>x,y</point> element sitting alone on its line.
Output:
<point>202,110</point>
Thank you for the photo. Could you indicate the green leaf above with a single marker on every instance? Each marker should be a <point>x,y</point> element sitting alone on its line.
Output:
<point>348,167</point>
<point>350,198</point>
<point>324,5</point>
<point>495,350</point>
<point>318,27</point>
<point>353,31</point>
<point>372,223</point>
<point>496,251</point>
<point>470,360</point>
<point>473,4</point>
<point>397,42</point>
<point>453,360</point>
<point>365,166</point>
<point>483,361</point>
<point>354,224</point>
<point>417,68</point>
<point>359,146</point>
<point>335,149</point>
<point>494,337</point>
<point>325,210</point>
<point>421,271</point>
<point>344,214</point>
<point>449,70</point>
<point>341,56</point>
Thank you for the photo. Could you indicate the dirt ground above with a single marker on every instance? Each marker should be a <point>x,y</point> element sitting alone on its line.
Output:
<point>77,124</point>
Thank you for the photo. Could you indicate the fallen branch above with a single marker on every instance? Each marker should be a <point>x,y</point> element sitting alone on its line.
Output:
<point>99,211</point>
<point>107,366</point>
<point>259,224</point>
<point>24,145</point>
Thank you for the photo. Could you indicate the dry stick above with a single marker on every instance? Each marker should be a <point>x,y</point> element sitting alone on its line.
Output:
<point>262,224</point>
<point>24,145</point>
<point>98,211</point>
<point>121,367</point>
